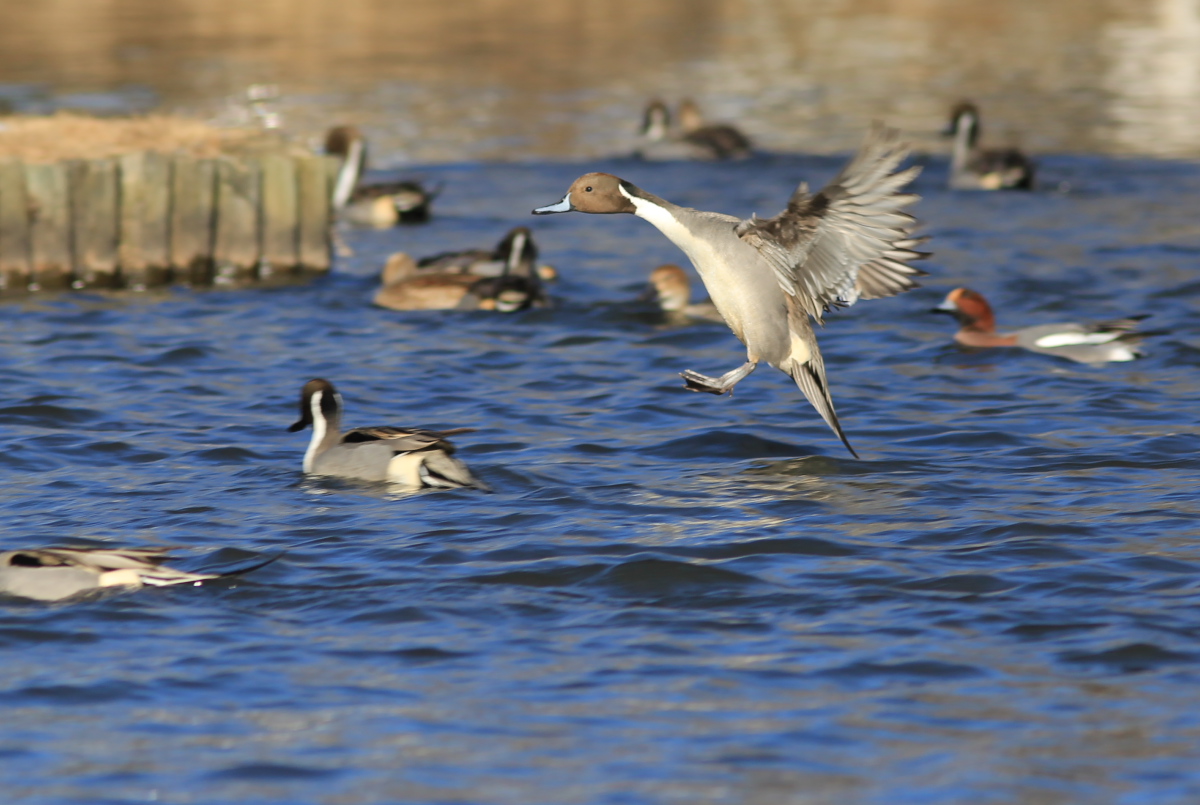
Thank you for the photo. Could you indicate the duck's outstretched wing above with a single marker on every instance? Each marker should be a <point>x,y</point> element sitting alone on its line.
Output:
<point>850,241</point>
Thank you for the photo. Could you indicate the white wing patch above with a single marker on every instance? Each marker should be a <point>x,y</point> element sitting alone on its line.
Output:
<point>1074,339</point>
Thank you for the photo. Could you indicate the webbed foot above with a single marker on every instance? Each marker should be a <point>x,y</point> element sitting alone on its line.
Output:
<point>717,385</point>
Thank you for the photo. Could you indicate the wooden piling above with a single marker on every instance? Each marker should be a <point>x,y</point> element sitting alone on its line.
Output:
<point>94,208</point>
<point>193,207</point>
<point>236,250</point>
<point>134,203</point>
<point>14,229</point>
<point>315,213</point>
<point>280,216</point>
<point>50,226</point>
<point>145,245</point>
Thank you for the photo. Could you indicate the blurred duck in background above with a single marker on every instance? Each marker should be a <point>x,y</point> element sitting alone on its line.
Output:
<point>694,140</point>
<point>506,279</point>
<point>1086,342</point>
<point>975,168</point>
<point>517,244</point>
<point>720,140</point>
<point>380,204</point>
<point>671,288</point>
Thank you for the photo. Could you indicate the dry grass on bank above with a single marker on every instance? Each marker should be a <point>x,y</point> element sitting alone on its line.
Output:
<point>71,136</point>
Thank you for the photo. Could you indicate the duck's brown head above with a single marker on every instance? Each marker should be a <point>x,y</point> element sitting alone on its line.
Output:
<point>339,139</point>
<point>596,193</point>
<point>970,309</point>
<point>671,287</point>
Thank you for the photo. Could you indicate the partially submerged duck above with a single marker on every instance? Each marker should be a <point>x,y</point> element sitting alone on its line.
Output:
<point>975,168</point>
<point>409,456</point>
<point>54,574</point>
<point>673,291</point>
<point>1085,342</point>
<point>506,279</point>
<point>377,204</point>
<point>769,277</point>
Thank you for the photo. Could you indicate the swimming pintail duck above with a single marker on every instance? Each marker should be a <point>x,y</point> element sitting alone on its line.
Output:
<point>673,291</point>
<point>695,140</point>
<point>409,456</point>
<point>53,574</point>
<point>1087,342</point>
<point>767,277</point>
<point>719,140</point>
<point>974,168</point>
<point>508,279</point>
<point>379,204</point>
<point>516,254</point>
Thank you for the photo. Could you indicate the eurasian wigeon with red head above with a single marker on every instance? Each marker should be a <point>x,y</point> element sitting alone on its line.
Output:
<point>1086,342</point>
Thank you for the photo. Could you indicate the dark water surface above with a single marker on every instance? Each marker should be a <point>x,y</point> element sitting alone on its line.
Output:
<point>670,598</point>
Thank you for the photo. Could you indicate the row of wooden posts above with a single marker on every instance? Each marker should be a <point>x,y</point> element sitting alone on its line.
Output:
<point>146,219</point>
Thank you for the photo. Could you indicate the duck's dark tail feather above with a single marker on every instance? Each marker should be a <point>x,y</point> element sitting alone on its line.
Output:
<point>811,380</point>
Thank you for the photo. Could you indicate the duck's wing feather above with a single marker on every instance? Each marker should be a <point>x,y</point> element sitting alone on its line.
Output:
<point>405,440</point>
<point>850,241</point>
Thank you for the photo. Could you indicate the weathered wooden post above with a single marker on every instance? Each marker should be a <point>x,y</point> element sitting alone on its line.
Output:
<point>145,245</point>
<point>316,213</point>
<point>50,226</point>
<point>280,216</point>
<point>236,251</point>
<point>193,207</point>
<point>14,229</point>
<point>94,200</point>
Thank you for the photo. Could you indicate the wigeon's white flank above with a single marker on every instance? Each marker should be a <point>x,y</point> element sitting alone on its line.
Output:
<point>1086,342</point>
<point>975,168</point>
<point>768,277</point>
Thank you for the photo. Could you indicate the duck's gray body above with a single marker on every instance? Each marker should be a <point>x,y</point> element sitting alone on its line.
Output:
<point>409,456</point>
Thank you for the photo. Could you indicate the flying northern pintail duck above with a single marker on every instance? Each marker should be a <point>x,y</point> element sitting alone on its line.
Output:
<point>767,277</point>
<point>508,279</point>
<point>672,289</point>
<point>1086,342</point>
<point>378,204</point>
<point>974,168</point>
<point>696,140</point>
<point>53,574</point>
<point>409,456</point>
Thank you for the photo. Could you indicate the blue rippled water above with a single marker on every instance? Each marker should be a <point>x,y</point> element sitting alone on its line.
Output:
<point>670,597</point>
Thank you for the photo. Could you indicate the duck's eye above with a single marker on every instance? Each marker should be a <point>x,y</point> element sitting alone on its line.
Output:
<point>587,189</point>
